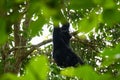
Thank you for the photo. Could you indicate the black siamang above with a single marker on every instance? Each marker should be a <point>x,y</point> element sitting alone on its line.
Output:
<point>62,53</point>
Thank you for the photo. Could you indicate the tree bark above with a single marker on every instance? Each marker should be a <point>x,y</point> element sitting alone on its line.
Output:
<point>20,41</point>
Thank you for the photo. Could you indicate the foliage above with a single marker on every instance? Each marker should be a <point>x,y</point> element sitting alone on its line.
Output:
<point>97,20</point>
<point>37,69</point>
<point>85,73</point>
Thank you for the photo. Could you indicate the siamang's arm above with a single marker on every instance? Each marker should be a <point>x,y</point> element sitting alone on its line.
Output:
<point>57,38</point>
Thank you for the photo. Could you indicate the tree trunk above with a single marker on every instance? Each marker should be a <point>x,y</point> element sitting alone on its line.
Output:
<point>19,40</point>
<point>18,54</point>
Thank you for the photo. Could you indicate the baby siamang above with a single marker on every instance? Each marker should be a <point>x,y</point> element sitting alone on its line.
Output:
<point>62,53</point>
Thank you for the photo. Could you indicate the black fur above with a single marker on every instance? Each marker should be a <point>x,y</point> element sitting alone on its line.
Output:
<point>62,53</point>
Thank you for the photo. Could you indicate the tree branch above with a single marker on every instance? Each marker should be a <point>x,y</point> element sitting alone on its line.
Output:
<point>33,47</point>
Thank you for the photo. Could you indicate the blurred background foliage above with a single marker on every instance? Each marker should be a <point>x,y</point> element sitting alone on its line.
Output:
<point>96,24</point>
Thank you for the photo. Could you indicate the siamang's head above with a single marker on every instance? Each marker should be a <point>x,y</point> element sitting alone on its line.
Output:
<point>65,33</point>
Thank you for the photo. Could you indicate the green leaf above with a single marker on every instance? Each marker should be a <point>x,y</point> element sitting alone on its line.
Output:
<point>106,77</point>
<point>3,33</point>
<point>37,69</point>
<point>36,26</point>
<point>19,1</point>
<point>57,18</point>
<point>2,2</point>
<point>106,4</point>
<point>84,4</point>
<point>34,8</point>
<point>83,72</point>
<point>9,76</point>
<point>98,1</point>
<point>110,54</point>
<point>89,22</point>
<point>111,16</point>
<point>52,9</point>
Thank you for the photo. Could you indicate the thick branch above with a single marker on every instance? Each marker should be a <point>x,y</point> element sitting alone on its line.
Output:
<point>30,46</point>
<point>34,46</point>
